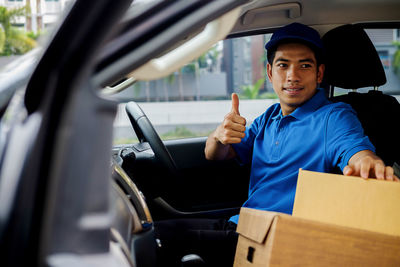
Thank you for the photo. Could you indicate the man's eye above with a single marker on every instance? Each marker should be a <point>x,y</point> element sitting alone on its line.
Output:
<point>282,65</point>
<point>305,66</point>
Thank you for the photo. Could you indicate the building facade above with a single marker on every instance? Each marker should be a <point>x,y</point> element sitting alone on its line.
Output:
<point>41,14</point>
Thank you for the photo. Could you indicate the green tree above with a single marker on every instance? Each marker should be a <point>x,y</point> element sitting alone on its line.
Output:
<point>213,54</point>
<point>2,39</point>
<point>170,79</point>
<point>208,61</point>
<point>13,40</point>
<point>396,59</point>
<point>251,91</point>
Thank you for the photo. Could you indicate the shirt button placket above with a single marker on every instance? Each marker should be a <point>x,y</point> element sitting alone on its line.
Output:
<point>275,150</point>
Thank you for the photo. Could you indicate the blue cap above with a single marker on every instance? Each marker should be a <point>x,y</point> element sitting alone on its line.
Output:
<point>297,32</point>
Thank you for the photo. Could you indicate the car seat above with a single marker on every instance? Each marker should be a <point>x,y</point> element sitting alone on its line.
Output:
<point>352,62</point>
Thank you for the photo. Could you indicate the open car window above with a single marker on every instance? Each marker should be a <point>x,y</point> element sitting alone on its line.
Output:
<point>192,101</point>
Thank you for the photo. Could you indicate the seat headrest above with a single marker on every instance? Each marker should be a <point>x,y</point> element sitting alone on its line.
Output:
<point>351,59</point>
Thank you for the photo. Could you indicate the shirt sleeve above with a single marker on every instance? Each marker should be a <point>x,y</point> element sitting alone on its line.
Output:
<point>345,136</point>
<point>244,149</point>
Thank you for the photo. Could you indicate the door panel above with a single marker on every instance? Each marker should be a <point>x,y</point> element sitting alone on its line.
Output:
<point>206,185</point>
<point>200,188</point>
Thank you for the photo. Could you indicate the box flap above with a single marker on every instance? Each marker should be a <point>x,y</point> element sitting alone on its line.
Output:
<point>255,224</point>
<point>371,204</point>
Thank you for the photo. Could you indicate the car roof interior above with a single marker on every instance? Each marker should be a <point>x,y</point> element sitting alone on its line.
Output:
<point>322,15</point>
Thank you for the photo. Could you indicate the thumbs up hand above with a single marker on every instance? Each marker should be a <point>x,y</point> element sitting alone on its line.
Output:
<point>231,130</point>
<point>235,104</point>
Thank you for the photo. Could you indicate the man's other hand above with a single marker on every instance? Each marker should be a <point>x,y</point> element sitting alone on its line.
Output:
<point>367,165</point>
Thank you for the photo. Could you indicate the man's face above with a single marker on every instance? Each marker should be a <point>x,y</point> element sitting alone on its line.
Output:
<point>294,75</point>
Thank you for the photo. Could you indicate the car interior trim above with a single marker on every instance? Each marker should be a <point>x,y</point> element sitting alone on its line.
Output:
<point>136,196</point>
<point>193,48</point>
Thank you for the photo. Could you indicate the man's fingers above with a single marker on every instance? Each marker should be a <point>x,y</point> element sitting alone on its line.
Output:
<point>364,169</point>
<point>368,170</point>
<point>389,174</point>
<point>233,117</point>
<point>348,170</point>
<point>379,171</point>
<point>235,104</point>
<point>231,137</point>
<point>235,140</point>
<point>235,126</point>
<point>230,133</point>
<point>368,165</point>
<point>230,140</point>
<point>239,119</point>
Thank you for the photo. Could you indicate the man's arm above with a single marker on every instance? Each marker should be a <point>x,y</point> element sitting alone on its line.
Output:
<point>368,165</point>
<point>230,131</point>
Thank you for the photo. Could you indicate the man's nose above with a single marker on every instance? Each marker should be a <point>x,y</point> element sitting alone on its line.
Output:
<point>293,74</point>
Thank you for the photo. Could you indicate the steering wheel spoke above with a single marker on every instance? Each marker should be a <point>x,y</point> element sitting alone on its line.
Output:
<point>146,133</point>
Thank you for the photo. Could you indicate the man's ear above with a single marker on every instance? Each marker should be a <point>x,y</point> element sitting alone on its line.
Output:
<point>269,72</point>
<point>320,74</point>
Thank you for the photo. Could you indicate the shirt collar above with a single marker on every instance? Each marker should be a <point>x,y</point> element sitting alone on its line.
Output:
<point>308,107</point>
<point>278,115</point>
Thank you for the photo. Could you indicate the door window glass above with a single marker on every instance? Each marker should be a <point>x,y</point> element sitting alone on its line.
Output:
<point>192,101</point>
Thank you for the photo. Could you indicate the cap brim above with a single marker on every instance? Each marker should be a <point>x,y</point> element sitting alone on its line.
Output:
<point>276,41</point>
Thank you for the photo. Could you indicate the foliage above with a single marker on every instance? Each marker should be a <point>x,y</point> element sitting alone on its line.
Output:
<point>212,56</point>
<point>251,91</point>
<point>2,39</point>
<point>396,59</point>
<point>34,36</point>
<point>182,132</point>
<point>122,141</point>
<point>137,87</point>
<point>268,95</point>
<point>170,79</point>
<point>189,68</point>
<point>178,133</point>
<point>15,41</point>
<point>208,60</point>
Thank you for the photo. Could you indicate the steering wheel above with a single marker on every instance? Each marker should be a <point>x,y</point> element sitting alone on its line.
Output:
<point>146,133</point>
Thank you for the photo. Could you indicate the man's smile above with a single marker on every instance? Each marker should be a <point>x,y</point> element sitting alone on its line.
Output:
<point>293,90</point>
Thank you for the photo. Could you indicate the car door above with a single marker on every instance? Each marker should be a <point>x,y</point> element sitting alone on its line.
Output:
<point>208,185</point>
<point>55,166</point>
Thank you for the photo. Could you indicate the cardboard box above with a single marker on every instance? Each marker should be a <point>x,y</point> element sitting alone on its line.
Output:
<point>275,239</point>
<point>337,221</point>
<point>371,204</point>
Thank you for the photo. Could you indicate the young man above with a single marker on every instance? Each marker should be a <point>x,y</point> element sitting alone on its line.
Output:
<point>304,130</point>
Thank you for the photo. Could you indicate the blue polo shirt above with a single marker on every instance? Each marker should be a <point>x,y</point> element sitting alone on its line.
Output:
<point>317,136</point>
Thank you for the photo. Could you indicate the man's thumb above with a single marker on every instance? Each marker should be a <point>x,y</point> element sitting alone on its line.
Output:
<point>235,104</point>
